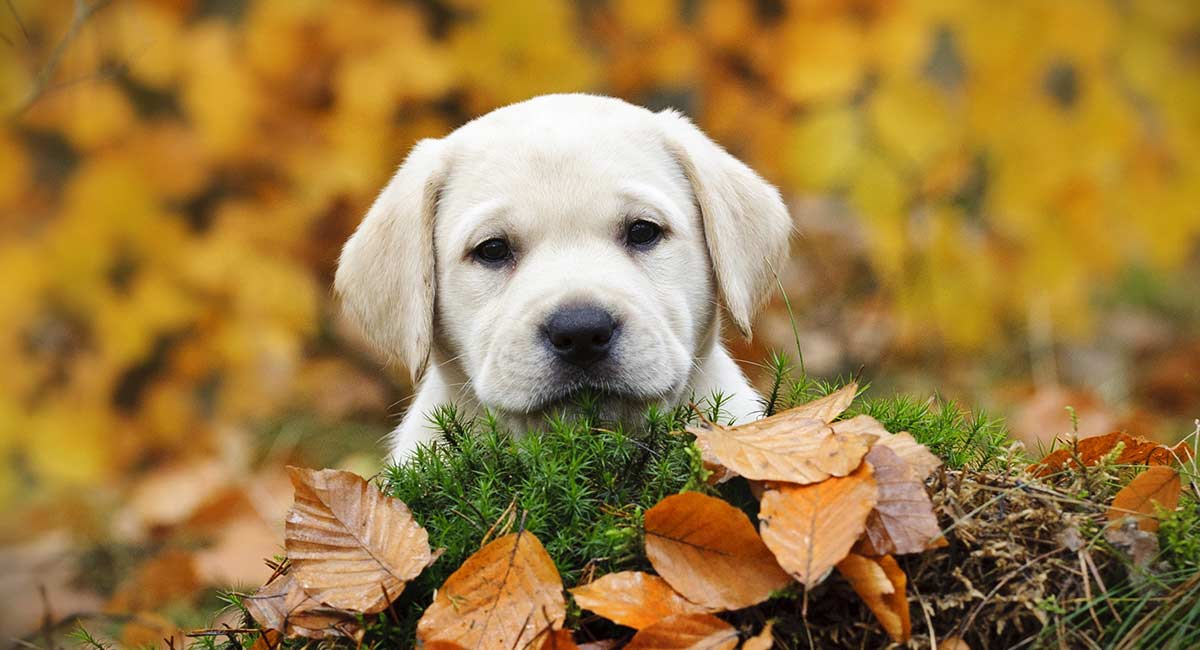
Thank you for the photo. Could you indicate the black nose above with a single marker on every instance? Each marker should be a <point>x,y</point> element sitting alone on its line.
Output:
<point>580,335</point>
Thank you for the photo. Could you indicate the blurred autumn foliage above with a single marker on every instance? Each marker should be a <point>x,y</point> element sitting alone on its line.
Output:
<point>177,177</point>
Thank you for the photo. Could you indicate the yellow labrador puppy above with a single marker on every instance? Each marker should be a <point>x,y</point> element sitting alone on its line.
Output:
<point>565,243</point>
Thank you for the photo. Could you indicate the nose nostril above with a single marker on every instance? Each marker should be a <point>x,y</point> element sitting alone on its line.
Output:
<point>580,335</point>
<point>561,342</point>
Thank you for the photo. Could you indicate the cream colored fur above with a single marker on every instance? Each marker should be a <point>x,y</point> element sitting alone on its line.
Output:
<point>560,176</point>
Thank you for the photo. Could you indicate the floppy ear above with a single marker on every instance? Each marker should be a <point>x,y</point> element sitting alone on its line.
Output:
<point>385,274</point>
<point>746,223</point>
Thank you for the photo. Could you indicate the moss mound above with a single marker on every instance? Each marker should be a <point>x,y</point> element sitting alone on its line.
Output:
<point>1027,564</point>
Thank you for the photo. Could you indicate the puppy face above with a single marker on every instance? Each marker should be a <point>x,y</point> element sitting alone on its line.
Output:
<point>566,243</point>
<point>570,256</point>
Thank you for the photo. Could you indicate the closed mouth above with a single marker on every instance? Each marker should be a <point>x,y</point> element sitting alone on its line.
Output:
<point>590,396</point>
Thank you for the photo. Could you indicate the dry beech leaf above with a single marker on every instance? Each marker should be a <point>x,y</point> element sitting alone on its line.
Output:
<point>861,425</point>
<point>811,528</point>
<point>633,599</point>
<point>282,605</point>
<point>718,473</point>
<point>351,547</point>
<point>1157,487</point>
<point>903,519</point>
<point>826,409</point>
<point>603,644</point>
<point>953,643</point>
<point>504,596</point>
<point>880,582</point>
<point>764,640</point>
<point>922,461</point>
<point>784,448</point>
<point>709,552</point>
<point>1136,451</point>
<point>686,632</point>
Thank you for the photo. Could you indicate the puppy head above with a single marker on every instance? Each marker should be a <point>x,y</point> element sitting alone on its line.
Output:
<point>565,243</point>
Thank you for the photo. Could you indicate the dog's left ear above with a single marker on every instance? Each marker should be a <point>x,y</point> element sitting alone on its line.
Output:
<point>746,223</point>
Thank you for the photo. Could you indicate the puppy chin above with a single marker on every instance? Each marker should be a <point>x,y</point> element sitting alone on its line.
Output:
<point>560,389</point>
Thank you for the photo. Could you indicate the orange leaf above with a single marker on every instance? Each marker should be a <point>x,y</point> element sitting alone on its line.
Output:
<point>764,640</point>
<point>917,456</point>
<point>709,552</point>
<point>633,599</point>
<point>880,582</point>
<point>826,409</point>
<point>505,595</point>
<point>351,547</point>
<point>811,528</point>
<point>1157,487</point>
<point>787,448</point>
<point>686,632</point>
<point>903,519</point>
<point>1136,451</point>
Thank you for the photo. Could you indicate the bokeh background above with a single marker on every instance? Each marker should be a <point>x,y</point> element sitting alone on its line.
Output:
<point>999,202</point>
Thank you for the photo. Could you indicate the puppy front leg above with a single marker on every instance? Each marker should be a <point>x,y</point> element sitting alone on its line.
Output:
<point>415,429</point>
<point>719,373</point>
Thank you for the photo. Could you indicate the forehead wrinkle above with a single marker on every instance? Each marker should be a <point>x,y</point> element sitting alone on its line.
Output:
<point>643,195</point>
<point>490,217</point>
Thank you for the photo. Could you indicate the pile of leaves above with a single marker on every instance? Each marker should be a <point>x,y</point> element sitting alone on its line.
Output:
<point>1061,551</point>
<point>825,487</point>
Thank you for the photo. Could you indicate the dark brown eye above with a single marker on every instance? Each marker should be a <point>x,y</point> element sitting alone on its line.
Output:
<point>493,251</point>
<point>642,234</point>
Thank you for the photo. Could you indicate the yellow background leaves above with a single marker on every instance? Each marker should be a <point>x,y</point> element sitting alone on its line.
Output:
<point>174,194</point>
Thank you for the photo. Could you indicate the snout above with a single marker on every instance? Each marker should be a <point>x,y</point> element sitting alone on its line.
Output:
<point>581,335</point>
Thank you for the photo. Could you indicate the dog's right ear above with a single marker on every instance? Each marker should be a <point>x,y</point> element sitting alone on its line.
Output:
<point>385,275</point>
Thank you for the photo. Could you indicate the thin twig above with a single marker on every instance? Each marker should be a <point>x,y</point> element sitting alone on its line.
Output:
<point>20,23</point>
<point>83,12</point>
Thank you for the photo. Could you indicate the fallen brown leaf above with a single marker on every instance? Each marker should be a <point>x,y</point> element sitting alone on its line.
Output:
<point>764,640</point>
<point>1136,451</point>
<point>862,425</point>
<point>953,643</point>
<point>506,594</point>
<point>351,547</point>
<point>1157,487</point>
<point>784,448</point>
<point>686,632</point>
<point>826,409</point>
<point>811,528</point>
<point>922,461</point>
<point>903,519</point>
<point>709,552</point>
<point>880,582</point>
<point>633,599</point>
<point>282,605</point>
